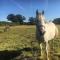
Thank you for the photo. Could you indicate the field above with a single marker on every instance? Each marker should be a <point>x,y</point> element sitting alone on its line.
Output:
<point>19,37</point>
<point>16,37</point>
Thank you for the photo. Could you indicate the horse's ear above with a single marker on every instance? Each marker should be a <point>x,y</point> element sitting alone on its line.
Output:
<point>37,12</point>
<point>43,12</point>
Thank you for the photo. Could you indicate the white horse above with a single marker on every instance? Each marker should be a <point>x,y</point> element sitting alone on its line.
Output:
<point>45,31</point>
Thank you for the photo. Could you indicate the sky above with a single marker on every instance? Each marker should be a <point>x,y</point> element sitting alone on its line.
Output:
<point>28,8</point>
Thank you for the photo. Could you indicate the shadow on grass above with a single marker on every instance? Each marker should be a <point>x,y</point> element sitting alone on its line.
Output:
<point>8,55</point>
<point>15,55</point>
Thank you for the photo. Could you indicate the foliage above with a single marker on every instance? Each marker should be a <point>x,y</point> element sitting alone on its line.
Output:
<point>56,20</point>
<point>32,20</point>
<point>11,17</point>
<point>20,18</point>
<point>16,18</point>
<point>3,23</point>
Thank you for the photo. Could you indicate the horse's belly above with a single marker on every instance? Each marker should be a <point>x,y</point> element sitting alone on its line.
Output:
<point>50,33</point>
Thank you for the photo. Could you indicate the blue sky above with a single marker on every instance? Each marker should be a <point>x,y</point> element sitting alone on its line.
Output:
<point>28,8</point>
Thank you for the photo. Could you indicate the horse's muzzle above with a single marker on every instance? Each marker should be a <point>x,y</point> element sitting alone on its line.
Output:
<point>42,32</point>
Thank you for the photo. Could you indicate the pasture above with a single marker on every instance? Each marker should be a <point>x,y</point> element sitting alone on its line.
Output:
<point>19,37</point>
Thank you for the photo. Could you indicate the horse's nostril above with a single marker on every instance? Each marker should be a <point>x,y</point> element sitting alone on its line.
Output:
<point>42,32</point>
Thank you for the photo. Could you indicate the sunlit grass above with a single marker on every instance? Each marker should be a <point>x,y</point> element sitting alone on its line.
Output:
<point>19,37</point>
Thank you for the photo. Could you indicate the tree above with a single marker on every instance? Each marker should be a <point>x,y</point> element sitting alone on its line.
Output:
<point>11,17</point>
<point>56,20</point>
<point>16,18</point>
<point>32,20</point>
<point>20,18</point>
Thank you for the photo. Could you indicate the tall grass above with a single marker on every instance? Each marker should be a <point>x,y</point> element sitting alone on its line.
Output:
<point>19,37</point>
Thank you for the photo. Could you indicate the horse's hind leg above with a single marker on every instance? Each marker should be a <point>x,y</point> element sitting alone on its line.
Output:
<point>56,32</point>
<point>48,52</point>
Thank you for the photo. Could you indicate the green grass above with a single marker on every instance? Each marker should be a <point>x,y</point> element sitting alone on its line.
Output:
<point>19,37</point>
<point>55,43</point>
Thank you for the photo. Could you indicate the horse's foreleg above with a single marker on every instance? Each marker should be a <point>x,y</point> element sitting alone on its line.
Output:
<point>43,52</point>
<point>41,47</point>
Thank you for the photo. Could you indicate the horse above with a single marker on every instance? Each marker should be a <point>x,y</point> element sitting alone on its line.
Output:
<point>6,28</point>
<point>45,31</point>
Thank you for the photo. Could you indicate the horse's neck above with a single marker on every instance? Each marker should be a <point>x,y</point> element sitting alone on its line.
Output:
<point>38,24</point>
<point>43,22</point>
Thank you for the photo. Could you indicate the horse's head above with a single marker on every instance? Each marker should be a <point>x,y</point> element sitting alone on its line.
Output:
<point>40,16</point>
<point>40,22</point>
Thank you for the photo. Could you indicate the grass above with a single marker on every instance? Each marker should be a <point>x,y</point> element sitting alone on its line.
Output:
<point>19,37</point>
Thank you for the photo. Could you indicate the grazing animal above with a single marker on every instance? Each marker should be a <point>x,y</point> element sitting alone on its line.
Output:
<point>45,31</point>
<point>7,27</point>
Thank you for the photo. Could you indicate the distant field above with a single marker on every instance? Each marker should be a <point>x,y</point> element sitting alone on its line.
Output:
<point>19,37</point>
